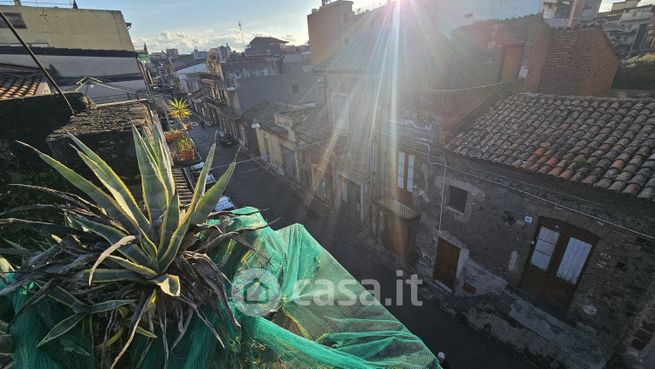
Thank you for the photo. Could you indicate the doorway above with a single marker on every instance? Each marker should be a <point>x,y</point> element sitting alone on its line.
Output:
<point>351,199</point>
<point>511,63</point>
<point>289,158</point>
<point>445,267</point>
<point>560,253</point>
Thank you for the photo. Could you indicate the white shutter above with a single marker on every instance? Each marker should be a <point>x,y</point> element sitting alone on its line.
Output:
<point>401,170</point>
<point>340,112</point>
<point>575,258</point>
<point>544,248</point>
<point>410,174</point>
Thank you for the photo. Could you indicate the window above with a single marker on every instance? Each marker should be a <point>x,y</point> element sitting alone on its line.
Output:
<point>457,198</point>
<point>346,41</point>
<point>574,260</point>
<point>346,17</point>
<point>295,89</point>
<point>405,172</point>
<point>15,19</point>
<point>544,247</point>
<point>340,112</point>
<point>468,15</point>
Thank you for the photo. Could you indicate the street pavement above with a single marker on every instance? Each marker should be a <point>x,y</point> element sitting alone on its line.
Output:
<point>254,185</point>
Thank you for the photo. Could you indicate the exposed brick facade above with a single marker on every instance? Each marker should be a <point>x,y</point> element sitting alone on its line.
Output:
<point>578,61</point>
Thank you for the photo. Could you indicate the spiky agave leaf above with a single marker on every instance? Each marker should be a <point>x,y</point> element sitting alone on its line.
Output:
<point>115,258</point>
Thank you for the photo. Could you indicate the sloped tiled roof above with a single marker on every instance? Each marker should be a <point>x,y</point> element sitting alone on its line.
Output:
<point>607,143</point>
<point>19,85</point>
<point>263,113</point>
<point>310,123</point>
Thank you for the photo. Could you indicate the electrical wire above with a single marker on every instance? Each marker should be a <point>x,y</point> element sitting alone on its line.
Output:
<point>510,187</point>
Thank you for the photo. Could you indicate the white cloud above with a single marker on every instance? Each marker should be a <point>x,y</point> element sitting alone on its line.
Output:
<point>204,39</point>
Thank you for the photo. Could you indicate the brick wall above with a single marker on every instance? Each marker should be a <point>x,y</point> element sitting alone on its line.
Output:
<point>579,62</point>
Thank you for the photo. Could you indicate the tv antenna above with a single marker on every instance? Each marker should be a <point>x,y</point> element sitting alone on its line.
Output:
<point>241,30</point>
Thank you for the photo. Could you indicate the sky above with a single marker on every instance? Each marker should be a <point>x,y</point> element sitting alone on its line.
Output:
<point>187,24</point>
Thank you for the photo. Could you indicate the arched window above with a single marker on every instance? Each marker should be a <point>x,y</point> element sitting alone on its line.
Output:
<point>559,255</point>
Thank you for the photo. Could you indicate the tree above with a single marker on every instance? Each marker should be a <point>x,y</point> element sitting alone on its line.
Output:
<point>637,73</point>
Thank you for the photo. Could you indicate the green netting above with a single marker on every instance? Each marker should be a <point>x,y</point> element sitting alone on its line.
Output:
<point>298,334</point>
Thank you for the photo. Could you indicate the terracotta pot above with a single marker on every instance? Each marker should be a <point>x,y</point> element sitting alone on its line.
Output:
<point>186,155</point>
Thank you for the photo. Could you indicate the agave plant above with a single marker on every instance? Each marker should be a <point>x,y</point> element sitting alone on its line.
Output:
<point>179,109</point>
<point>131,266</point>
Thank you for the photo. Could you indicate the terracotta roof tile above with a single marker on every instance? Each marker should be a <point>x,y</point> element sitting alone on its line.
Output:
<point>607,143</point>
<point>19,85</point>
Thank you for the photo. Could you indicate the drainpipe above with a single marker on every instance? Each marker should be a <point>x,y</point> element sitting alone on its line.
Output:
<point>445,175</point>
<point>443,192</point>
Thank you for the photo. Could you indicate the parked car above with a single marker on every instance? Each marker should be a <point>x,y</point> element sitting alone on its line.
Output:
<point>226,139</point>
<point>224,204</point>
<point>195,171</point>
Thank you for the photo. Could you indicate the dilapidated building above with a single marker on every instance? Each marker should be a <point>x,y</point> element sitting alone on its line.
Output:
<point>536,218</point>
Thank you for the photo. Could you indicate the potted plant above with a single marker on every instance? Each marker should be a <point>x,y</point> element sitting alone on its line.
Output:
<point>179,109</point>
<point>184,149</point>
<point>173,135</point>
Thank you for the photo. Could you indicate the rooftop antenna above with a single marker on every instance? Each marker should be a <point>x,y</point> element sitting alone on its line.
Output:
<point>241,30</point>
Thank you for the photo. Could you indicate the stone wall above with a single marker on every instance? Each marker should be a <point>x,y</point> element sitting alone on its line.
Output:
<point>108,131</point>
<point>32,119</point>
<point>612,292</point>
<point>450,108</point>
<point>612,309</point>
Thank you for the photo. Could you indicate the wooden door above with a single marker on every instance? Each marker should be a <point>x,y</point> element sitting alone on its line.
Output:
<point>289,163</point>
<point>351,199</point>
<point>399,237</point>
<point>559,256</point>
<point>445,267</point>
<point>404,186</point>
<point>512,57</point>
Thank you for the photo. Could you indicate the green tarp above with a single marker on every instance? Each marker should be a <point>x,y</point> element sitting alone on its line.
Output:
<point>310,326</point>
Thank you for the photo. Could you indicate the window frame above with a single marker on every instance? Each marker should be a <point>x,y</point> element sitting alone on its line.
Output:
<point>405,168</point>
<point>450,204</point>
<point>12,17</point>
<point>344,117</point>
